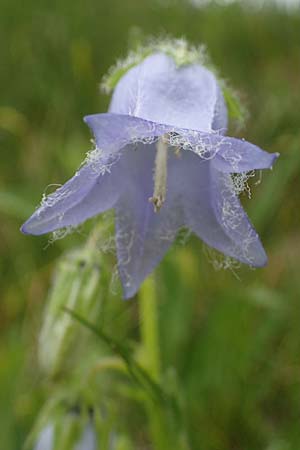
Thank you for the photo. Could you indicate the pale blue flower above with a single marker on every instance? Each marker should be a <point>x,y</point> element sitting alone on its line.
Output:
<point>163,162</point>
<point>86,442</point>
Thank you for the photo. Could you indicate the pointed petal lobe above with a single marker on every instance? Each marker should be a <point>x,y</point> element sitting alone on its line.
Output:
<point>229,155</point>
<point>88,193</point>
<point>238,155</point>
<point>213,211</point>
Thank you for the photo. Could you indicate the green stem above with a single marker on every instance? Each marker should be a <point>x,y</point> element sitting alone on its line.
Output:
<point>151,361</point>
<point>149,328</point>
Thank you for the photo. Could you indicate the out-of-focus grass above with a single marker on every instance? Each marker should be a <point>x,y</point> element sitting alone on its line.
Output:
<point>235,342</point>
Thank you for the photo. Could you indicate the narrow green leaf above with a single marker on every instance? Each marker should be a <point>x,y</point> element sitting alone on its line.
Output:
<point>139,375</point>
<point>235,108</point>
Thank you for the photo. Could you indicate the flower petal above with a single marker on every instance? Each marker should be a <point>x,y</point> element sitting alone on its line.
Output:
<point>159,91</point>
<point>88,193</point>
<point>142,235</point>
<point>247,246</point>
<point>113,131</point>
<point>220,120</point>
<point>94,188</point>
<point>45,439</point>
<point>88,439</point>
<point>229,155</point>
<point>213,211</point>
<point>238,155</point>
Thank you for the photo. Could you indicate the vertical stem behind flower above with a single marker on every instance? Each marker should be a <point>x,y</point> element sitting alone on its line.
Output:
<point>149,327</point>
<point>161,433</point>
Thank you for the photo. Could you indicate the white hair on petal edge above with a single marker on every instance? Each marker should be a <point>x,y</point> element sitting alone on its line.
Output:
<point>219,261</point>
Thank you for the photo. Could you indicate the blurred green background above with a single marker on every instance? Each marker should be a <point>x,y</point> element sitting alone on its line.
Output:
<point>234,341</point>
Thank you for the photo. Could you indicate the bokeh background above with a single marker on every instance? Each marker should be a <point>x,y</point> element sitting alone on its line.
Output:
<point>232,336</point>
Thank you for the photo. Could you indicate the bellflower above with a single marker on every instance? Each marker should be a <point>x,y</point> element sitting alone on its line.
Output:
<point>163,162</point>
<point>46,439</point>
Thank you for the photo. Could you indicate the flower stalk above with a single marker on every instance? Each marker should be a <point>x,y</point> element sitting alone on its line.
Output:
<point>149,328</point>
<point>150,341</point>
<point>161,433</point>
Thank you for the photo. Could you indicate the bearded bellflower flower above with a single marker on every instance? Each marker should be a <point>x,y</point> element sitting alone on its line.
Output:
<point>46,440</point>
<point>163,162</point>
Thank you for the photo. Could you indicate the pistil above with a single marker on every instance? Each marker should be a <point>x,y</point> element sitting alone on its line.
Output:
<point>160,174</point>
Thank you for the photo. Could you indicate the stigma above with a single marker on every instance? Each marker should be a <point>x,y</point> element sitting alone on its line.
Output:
<point>160,174</point>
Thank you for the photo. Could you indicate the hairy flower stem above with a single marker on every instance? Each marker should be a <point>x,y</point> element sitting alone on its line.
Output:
<point>160,174</point>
